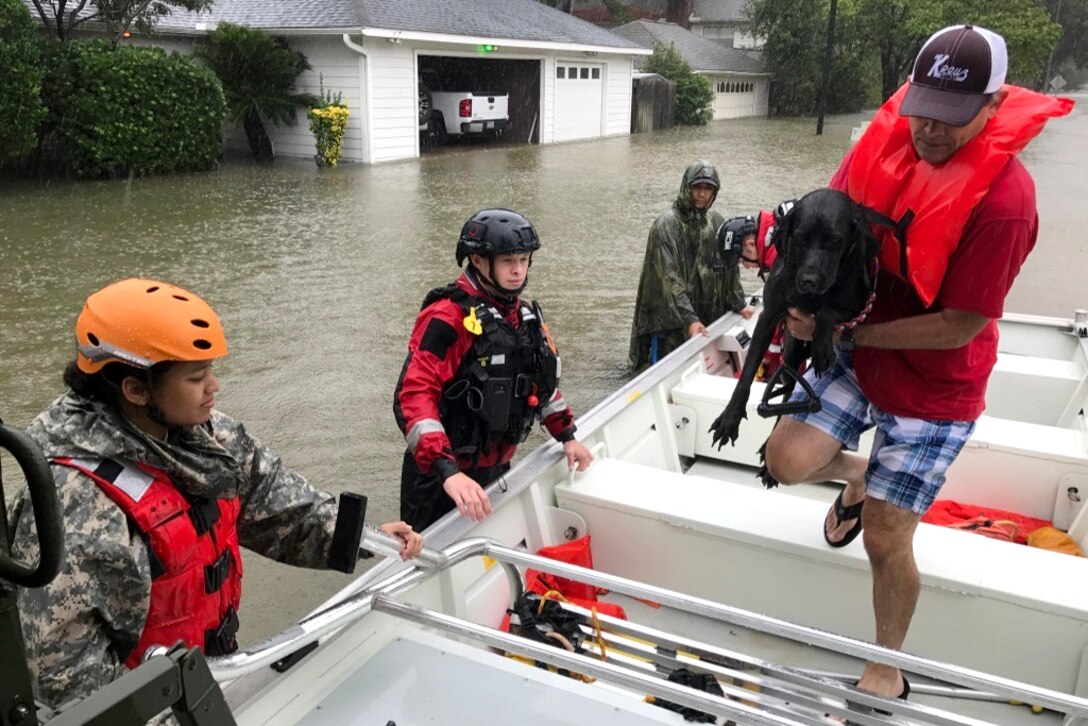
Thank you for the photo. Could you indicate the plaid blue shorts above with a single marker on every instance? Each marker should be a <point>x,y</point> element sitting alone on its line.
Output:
<point>910,455</point>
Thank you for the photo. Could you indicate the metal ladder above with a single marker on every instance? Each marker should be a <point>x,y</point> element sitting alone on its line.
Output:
<point>757,692</point>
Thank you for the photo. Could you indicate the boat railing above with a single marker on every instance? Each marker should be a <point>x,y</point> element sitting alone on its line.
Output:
<point>799,692</point>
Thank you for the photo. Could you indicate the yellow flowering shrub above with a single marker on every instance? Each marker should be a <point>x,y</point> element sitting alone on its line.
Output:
<point>327,124</point>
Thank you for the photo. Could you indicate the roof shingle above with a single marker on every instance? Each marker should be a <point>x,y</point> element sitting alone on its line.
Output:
<point>513,19</point>
<point>500,19</point>
<point>698,52</point>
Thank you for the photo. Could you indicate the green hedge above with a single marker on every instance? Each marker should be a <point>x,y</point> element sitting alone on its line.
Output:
<point>694,94</point>
<point>20,80</point>
<point>112,112</point>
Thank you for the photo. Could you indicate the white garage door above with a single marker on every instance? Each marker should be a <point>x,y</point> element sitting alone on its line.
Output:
<point>579,89</point>
<point>736,97</point>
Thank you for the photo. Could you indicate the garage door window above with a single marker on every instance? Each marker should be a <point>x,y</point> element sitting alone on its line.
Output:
<point>596,73</point>
<point>560,72</point>
<point>585,73</point>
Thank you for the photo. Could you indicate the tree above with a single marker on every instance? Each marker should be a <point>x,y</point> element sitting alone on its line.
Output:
<point>897,31</point>
<point>679,12</point>
<point>258,72</point>
<point>1026,27</point>
<point>20,81</point>
<point>617,10</point>
<point>1072,15</point>
<point>693,91</point>
<point>879,39</point>
<point>794,34</point>
<point>61,17</point>
<point>899,28</point>
<point>566,6</point>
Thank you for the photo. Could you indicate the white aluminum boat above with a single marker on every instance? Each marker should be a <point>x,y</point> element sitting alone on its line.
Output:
<point>750,591</point>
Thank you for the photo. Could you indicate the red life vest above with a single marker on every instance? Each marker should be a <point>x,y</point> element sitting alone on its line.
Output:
<point>886,175</point>
<point>765,250</point>
<point>196,566</point>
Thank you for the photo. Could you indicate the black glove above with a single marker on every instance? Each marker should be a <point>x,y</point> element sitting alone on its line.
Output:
<point>731,236</point>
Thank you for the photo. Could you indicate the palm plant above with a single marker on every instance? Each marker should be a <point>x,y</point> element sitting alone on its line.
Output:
<point>258,72</point>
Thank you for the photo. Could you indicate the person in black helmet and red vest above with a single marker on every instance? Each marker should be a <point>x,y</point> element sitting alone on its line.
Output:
<point>482,368</point>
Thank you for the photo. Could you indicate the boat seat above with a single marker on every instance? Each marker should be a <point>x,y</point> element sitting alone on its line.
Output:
<point>703,391</point>
<point>1051,385</point>
<point>764,551</point>
<point>1007,464</point>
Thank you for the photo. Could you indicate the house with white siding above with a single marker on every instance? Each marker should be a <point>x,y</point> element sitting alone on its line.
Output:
<point>725,21</point>
<point>739,78</point>
<point>566,79</point>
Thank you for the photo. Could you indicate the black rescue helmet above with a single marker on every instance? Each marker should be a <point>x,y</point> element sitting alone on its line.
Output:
<point>731,235</point>
<point>492,232</point>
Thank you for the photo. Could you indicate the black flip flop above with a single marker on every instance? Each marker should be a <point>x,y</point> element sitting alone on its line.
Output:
<point>843,513</point>
<point>902,696</point>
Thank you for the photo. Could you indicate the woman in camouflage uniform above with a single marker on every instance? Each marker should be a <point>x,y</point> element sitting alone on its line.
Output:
<point>158,490</point>
<point>685,283</point>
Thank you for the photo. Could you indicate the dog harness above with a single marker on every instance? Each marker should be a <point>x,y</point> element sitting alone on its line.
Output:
<point>887,176</point>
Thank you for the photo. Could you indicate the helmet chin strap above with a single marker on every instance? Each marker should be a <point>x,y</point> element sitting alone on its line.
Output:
<point>154,413</point>
<point>508,295</point>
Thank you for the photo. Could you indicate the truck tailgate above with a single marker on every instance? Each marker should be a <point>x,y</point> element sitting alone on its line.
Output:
<point>488,107</point>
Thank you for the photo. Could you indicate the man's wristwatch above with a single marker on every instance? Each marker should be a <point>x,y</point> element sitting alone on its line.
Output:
<point>846,339</point>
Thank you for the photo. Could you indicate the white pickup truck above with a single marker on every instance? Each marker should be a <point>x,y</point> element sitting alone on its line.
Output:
<point>443,114</point>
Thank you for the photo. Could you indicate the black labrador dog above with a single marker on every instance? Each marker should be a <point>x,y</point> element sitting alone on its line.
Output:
<point>826,250</point>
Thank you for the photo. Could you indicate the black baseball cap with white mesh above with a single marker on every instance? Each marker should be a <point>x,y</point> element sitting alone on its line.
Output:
<point>954,74</point>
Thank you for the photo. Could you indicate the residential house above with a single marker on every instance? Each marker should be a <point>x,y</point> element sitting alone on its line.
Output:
<point>566,79</point>
<point>724,21</point>
<point>739,78</point>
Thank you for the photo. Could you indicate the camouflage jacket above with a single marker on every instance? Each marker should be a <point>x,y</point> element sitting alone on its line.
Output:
<point>684,279</point>
<point>79,628</point>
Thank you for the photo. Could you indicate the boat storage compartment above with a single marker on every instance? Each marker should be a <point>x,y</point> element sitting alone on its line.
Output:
<point>1008,609</point>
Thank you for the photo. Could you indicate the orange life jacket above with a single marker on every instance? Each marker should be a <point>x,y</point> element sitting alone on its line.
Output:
<point>196,566</point>
<point>887,176</point>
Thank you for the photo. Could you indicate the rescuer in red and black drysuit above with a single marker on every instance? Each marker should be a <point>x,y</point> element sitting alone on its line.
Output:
<point>747,241</point>
<point>481,370</point>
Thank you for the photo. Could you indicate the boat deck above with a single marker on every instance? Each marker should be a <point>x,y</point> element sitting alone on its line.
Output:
<point>826,663</point>
<point>419,677</point>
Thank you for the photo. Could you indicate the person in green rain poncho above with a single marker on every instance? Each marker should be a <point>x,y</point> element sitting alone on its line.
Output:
<point>685,283</point>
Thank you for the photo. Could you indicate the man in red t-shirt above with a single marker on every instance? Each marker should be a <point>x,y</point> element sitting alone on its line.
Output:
<point>916,373</point>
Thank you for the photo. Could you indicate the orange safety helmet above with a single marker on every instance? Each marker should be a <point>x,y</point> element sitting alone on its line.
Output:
<point>144,322</point>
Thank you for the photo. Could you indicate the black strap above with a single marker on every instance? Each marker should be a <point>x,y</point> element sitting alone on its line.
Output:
<point>109,470</point>
<point>157,568</point>
<point>220,641</point>
<point>204,513</point>
<point>781,386</point>
<point>898,227</point>
<point>216,573</point>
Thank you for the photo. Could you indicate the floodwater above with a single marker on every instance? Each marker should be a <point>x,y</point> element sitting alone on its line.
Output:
<point>318,275</point>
